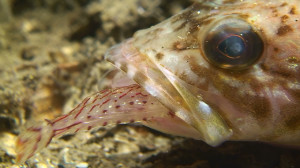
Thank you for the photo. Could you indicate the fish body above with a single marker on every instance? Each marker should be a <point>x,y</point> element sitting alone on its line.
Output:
<point>217,71</point>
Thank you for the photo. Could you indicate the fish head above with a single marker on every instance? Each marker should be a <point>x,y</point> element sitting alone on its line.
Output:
<point>227,68</point>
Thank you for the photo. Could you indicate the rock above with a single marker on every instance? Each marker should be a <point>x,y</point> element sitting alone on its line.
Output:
<point>82,165</point>
<point>8,143</point>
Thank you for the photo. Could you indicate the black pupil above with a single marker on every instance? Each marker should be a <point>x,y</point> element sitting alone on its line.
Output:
<point>232,46</point>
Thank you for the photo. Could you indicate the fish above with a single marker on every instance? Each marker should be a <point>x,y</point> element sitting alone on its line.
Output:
<point>220,70</point>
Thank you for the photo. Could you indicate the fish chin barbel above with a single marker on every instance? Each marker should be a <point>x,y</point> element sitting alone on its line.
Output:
<point>219,70</point>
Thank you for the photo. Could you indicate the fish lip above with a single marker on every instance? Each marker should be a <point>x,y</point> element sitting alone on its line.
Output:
<point>120,54</point>
<point>112,51</point>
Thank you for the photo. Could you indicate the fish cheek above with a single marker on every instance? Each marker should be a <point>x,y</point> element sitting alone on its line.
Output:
<point>242,97</point>
<point>259,107</point>
<point>292,112</point>
<point>292,117</point>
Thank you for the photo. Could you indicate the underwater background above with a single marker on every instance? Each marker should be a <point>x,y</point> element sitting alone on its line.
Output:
<point>51,57</point>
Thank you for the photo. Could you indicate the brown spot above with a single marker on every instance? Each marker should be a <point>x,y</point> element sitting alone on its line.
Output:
<point>283,4</point>
<point>296,96</point>
<point>118,122</point>
<point>154,33</point>
<point>195,24</point>
<point>260,107</point>
<point>201,6</point>
<point>171,114</point>
<point>182,25</point>
<point>276,49</point>
<point>201,72</point>
<point>283,30</point>
<point>264,67</point>
<point>207,21</point>
<point>192,20</point>
<point>274,10</point>
<point>182,76</point>
<point>118,106</point>
<point>147,41</point>
<point>111,74</point>
<point>244,16</point>
<point>140,78</point>
<point>159,56</point>
<point>196,68</point>
<point>284,18</point>
<point>105,123</point>
<point>293,123</point>
<point>89,128</point>
<point>179,46</point>
<point>230,1</point>
<point>104,111</point>
<point>293,10</point>
<point>124,67</point>
<point>131,103</point>
<point>292,120</point>
<point>188,14</point>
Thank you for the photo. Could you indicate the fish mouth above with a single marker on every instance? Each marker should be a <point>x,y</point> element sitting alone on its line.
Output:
<point>171,91</point>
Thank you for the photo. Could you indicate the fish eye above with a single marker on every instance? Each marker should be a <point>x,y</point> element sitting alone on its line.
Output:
<point>232,44</point>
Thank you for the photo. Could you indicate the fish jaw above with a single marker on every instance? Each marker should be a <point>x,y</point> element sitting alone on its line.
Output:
<point>172,93</point>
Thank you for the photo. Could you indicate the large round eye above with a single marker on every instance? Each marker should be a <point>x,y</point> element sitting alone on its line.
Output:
<point>232,44</point>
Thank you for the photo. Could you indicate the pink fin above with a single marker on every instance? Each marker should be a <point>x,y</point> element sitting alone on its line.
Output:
<point>32,140</point>
<point>121,105</point>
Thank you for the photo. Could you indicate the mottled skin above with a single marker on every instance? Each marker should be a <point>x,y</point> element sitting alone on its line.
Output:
<point>187,94</point>
<point>261,102</point>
